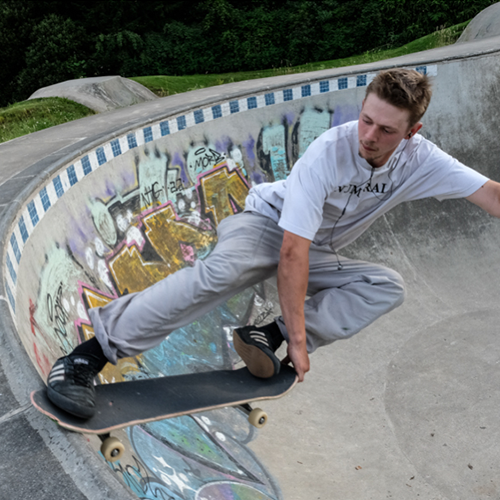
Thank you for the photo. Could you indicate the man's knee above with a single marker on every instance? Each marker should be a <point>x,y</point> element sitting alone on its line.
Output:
<point>397,288</point>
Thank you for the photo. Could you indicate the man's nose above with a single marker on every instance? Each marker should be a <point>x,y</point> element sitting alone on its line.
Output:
<point>371,134</point>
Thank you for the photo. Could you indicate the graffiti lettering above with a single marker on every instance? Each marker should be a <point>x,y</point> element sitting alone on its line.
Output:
<point>272,151</point>
<point>169,238</point>
<point>131,474</point>
<point>201,159</point>
<point>205,157</point>
<point>33,322</point>
<point>57,313</point>
<point>151,196</point>
<point>223,193</point>
<point>42,361</point>
<point>264,314</point>
<point>139,484</point>
<point>175,186</point>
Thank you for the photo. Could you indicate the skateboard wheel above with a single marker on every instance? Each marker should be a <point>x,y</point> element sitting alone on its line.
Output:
<point>258,418</point>
<point>112,449</point>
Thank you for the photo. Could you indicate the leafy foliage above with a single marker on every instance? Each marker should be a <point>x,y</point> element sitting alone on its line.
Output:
<point>47,41</point>
<point>57,52</point>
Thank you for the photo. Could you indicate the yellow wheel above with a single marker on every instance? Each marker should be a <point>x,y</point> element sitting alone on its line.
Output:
<point>258,418</point>
<point>112,449</point>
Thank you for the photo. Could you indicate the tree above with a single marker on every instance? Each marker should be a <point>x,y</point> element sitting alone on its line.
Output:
<point>58,52</point>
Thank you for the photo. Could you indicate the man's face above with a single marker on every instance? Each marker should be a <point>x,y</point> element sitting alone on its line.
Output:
<point>381,128</point>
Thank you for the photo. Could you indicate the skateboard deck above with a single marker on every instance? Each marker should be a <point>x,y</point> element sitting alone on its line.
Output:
<point>140,401</point>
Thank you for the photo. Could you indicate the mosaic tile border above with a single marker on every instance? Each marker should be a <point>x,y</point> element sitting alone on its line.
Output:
<point>41,202</point>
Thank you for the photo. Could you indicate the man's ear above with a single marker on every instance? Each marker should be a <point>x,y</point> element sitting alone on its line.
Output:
<point>414,129</point>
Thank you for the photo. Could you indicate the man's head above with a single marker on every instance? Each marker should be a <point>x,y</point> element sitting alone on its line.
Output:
<point>403,88</point>
<point>394,103</point>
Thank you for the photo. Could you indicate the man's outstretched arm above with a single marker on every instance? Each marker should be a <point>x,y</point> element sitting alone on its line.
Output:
<point>293,275</point>
<point>488,198</point>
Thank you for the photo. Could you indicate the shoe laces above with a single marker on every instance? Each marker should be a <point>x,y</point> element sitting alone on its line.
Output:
<point>83,374</point>
<point>268,336</point>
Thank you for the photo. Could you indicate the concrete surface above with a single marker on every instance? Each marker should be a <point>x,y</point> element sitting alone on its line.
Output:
<point>406,409</point>
<point>484,25</point>
<point>101,93</point>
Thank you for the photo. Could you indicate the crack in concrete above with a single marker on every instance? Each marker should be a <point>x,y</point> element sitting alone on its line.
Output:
<point>14,413</point>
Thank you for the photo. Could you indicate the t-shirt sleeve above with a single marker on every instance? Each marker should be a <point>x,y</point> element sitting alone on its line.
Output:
<point>306,193</point>
<point>443,177</point>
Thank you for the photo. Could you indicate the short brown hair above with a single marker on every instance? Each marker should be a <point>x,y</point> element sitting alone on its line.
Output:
<point>403,88</point>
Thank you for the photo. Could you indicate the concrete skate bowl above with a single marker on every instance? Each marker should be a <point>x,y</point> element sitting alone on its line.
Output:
<point>146,202</point>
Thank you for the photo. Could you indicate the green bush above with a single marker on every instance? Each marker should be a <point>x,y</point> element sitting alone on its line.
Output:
<point>57,52</point>
<point>45,42</point>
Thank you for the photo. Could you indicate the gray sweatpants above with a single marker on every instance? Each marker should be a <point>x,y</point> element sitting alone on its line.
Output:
<point>340,303</point>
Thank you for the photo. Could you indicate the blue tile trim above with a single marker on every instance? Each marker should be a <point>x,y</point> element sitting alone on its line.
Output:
<point>33,213</point>
<point>164,128</point>
<point>11,297</point>
<point>269,99</point>
<point>234,107</point>
<point>87,167</point>
<point>58,186</point>
<point>45,199</point>
<point>361,81</point>
<point>217,111</point>
<point>288,95</point>
<point>132,142</point>
<point>252,102</point>
<point>15,247</point>
<point>181,122</point>
<point>101,156</point>
<point>343,83</point>
<point>198,116</point>
<point>12,273</point>
<point>148,134</point>
<point>324,86</point>
<point>72,175</point>
<point>22,228</point>
<point>116,148</point>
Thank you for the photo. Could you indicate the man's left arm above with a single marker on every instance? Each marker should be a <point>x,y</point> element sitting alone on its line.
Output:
<point>487,197</point>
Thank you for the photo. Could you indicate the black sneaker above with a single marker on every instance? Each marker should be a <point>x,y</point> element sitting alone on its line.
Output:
<point>256,347</point>
<point>70,384</point>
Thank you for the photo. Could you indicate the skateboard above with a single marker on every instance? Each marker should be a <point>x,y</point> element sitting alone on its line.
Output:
<point>136,402</point>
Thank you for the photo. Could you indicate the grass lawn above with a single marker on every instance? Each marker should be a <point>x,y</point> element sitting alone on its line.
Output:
<point>25,117</point>
<point>37,114</point>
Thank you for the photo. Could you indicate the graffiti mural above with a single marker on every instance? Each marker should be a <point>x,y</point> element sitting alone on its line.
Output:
<point>134,224</point>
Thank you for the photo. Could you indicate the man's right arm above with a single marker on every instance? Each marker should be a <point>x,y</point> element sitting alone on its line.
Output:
<point>487,197</point>
<point>293,275</point>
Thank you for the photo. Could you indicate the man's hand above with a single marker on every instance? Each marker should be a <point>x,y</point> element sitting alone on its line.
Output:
<point>293,275</point>
<point>298,356</point>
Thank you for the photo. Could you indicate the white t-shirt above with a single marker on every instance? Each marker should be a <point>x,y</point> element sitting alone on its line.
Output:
<point>333,195</point>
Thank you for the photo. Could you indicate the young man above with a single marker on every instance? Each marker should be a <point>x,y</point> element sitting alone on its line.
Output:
<point>351,175</point>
